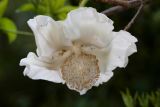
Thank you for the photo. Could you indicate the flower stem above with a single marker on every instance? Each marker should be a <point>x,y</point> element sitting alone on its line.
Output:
<point>18,32</point>
<point>83,3</point>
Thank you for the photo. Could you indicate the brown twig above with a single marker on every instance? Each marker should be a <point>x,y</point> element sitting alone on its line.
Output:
<point>119,8</point>
<point>124,3</point>
<point>134,17</point>
<point>113,10</point>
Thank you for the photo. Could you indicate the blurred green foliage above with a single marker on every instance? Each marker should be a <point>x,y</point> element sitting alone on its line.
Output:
<point>3,5</point>
<point>127,99</point>
<point>9,28</point>
<point>7,25</point>
<point>55,8</point>
<point>140,76</point>
<point>143,100</point>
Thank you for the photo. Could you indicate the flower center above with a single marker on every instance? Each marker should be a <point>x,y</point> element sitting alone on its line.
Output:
<point>80,71</point>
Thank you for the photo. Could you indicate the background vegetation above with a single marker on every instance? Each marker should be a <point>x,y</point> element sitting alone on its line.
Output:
<point>141,76</point>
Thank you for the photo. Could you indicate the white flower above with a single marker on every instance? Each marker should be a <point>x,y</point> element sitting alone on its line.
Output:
<point>81,51</point>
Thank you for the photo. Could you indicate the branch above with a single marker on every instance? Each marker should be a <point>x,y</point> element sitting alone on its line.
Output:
<point>113,10</point>
<point>124,3</point>
<point>121,6</point>
<point>133,19</point>
<point>17,32</point>
<point>83,3</point>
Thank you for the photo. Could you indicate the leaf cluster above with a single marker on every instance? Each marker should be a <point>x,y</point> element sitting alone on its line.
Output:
<point>142,100</point>
<point>57,9</point>
<point>7,26</point>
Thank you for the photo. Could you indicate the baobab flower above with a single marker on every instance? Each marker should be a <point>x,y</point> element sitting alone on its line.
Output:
<point>81,51</point>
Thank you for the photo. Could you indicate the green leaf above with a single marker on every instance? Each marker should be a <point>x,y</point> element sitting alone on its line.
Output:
<point>62,12</point>
<point>155,98</point>
<point>61,16</point>
<point>9,28</point>
<point>3,6</point>
<point>26,7</point>
<point>144,100</point>
<point>42,10</point>
<point>59,3</point>
<point>66,9</point>
<point>56,4</point>
<point>127,99</point>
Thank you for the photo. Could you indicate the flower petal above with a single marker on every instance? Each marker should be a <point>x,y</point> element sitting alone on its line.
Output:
<point>121,47</point>
<point>86,23</point>
<point>37,69</point>
<point>101,55</point>
<point>115,55</point>
<point>49,35</point>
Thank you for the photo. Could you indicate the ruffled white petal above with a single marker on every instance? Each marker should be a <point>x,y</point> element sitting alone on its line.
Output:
<point>88,26</point>
<point>121,47</point>
<point>115,55</point>
<point>37,69</point>
<point>49,35</point>
<point>101,55</point>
